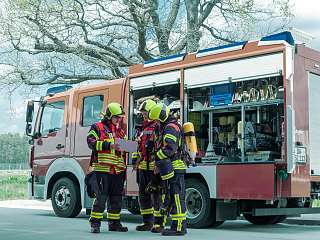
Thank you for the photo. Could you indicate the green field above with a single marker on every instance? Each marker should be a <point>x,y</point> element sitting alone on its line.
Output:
<point>13,185</point>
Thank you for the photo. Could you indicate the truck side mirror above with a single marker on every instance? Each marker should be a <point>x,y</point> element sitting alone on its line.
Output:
<point>30,110</point>
<point>28,129</point>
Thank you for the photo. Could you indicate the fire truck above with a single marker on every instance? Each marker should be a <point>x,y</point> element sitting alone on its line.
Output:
<point>254,105</point>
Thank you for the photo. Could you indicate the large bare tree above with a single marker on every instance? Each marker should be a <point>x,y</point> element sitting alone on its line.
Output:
<point>71,41</point>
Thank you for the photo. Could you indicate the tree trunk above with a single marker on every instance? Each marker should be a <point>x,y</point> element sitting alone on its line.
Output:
<point>193,30</point>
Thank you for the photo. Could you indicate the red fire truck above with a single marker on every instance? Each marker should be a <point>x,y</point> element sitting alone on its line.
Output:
<point>254,108</point>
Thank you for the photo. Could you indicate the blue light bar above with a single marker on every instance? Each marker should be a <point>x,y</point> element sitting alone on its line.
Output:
<point>58,89</point>
<point>164,60</point>
<point>283,36</point>
<point>221,49</point>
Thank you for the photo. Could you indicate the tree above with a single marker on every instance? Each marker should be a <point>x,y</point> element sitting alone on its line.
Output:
<point>71,41</point>
<point>13,151</point>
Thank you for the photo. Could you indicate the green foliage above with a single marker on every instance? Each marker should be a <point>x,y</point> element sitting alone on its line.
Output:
<point>13,151</point>
<point>13,185</point>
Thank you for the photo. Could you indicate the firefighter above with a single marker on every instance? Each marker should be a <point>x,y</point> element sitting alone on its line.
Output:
<point>171,167</point>
<point>148,181</point>
<point>109,164</point>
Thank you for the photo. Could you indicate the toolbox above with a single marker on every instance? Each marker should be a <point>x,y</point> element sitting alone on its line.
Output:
<point>221,94</point>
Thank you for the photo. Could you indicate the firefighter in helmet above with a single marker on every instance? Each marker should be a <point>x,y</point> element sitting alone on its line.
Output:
<point>171,167</point>
<point>148,181</point>
<point>109,164</point>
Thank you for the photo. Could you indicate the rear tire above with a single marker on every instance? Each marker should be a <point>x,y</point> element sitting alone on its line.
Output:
<point>264,220</point>
<point>200,209</point>
<point>65,198</point>
<point>280,219</point>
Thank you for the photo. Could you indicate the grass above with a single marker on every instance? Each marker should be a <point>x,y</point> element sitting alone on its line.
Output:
<point>13,185</point>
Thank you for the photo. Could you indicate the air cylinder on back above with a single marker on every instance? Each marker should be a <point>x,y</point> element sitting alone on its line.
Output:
<point>190,139</point>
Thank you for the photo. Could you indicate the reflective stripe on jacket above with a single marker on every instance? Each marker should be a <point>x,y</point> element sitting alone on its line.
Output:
<point>99,139</point>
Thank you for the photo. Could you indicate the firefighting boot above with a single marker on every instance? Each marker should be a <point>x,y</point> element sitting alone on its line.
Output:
<point>147,226</point>
<point>116,226</point>
<point>174,231</point>
<point>158,225</point>
<point>157,228</point>
<point>95,227</point>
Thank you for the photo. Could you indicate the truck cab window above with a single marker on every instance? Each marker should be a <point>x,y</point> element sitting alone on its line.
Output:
<point>52,118</point>
<point>92,106</point>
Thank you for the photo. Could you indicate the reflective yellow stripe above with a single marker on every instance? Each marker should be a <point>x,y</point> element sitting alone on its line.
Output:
<point>108,155</point>
<point>146,211</point>
<point>163,196</point>
<point>161,155</point>
<point>113,216</point>
<point>179,225</point>
<point>97,215</point>
<point>143,165</point>
<point>110,161</point>
<point>178,216</point>
<point>99,145</point>
<point>170,136</point>
<point>157,214</point>
<point>177,202</point>
<point>100,168</point>
<point>135,154</point>
<point>92,132</point>
<point>165,217</point>
<point>179,165</point>
<point>168,176</point>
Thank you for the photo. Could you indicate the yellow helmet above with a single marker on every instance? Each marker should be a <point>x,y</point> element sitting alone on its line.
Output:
<point>159,112</point>
<point>147,105</point>
<point>114,109</point>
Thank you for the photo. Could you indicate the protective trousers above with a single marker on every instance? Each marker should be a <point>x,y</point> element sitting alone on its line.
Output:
<point>150,197</point>
<point>177,206</point>
<point>111,188</point>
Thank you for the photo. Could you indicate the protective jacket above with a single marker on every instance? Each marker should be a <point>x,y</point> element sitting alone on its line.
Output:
<point>168,156</point>
<point>103,158</point>
<point>146,146</point>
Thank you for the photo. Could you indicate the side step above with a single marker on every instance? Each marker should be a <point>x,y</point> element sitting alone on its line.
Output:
<point>283,211</point>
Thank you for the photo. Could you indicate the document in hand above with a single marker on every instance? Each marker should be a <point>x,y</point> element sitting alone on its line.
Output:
<point>127,145</point>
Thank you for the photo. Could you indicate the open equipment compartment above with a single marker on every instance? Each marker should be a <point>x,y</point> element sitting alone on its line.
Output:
<point>218,110</point>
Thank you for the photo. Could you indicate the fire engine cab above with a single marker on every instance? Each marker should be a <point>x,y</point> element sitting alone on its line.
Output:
<point>254,108</point>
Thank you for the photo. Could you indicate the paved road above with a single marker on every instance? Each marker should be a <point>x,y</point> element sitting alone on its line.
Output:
<point>33,224</point>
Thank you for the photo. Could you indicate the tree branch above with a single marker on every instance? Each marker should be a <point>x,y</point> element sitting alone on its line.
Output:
<point>215,35</point>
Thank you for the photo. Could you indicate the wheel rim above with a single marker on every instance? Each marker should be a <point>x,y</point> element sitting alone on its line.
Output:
<point>194,203</point>
<point>62,198</point>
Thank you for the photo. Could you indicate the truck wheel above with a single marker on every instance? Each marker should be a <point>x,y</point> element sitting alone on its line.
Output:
<point>65,198</point>
<point>264,220</point>
<point>280,219</point>
<point>200,210</point>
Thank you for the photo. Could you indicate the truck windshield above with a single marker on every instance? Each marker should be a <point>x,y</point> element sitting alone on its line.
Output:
<point>52,118</point>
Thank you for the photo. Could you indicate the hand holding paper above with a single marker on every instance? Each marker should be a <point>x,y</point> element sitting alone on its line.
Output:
<point>126,145</point>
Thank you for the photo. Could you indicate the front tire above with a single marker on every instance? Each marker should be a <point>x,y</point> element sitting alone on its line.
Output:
<point>65,198</point>
<point>200,208</point>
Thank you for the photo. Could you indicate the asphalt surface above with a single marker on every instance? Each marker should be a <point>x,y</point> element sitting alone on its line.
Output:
<point>34,224</point>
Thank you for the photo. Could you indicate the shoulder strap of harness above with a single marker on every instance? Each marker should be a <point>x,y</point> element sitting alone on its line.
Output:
<point>102,128</point>
<point>175,126</point>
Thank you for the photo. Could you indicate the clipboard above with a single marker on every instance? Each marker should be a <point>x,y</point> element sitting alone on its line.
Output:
<point>127,145</point>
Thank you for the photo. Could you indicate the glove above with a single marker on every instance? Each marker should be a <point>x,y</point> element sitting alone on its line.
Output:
<point>92,185</point>
<point>115,147</point>
<point>149,145</point>
<point>154,184</point>
<point>151,187</point>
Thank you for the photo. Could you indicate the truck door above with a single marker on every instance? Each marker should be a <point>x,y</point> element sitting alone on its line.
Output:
<point>51,137</point>
<point>314,122</point>
<point>89,106</point>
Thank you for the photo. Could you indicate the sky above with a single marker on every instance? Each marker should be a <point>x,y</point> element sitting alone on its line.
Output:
<point>12,109</point>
